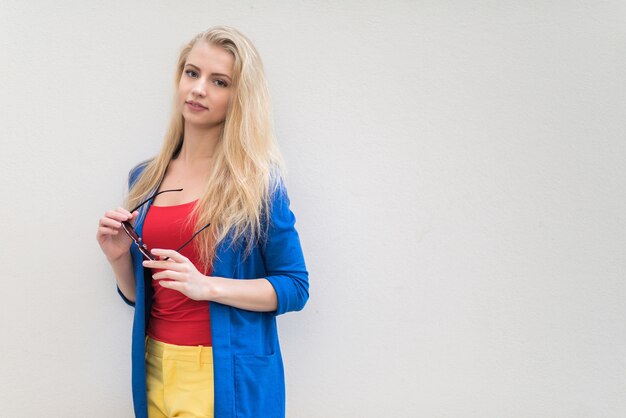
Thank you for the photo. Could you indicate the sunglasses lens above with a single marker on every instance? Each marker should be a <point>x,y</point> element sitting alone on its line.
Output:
<point>130,231</point>
<point>128,228</point>
<point>146,252</point>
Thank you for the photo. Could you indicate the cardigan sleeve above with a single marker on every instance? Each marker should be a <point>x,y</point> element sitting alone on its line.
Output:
<point>124,298</point>
<point>283,258</point>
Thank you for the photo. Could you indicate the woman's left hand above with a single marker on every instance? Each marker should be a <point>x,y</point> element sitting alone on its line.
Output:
<point>184,275</point>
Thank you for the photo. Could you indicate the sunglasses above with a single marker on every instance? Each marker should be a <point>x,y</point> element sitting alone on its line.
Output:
<point>143,248</point>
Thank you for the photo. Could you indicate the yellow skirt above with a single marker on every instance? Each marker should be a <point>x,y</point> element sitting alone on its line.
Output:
<point>179,380</point>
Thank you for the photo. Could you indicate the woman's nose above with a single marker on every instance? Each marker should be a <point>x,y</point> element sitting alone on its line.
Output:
<point>199,89</point>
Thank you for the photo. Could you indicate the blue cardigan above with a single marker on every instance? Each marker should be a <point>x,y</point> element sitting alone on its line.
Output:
<point>248,369</point>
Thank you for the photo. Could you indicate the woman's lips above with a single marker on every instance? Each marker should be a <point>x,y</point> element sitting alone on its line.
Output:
<point>194,106</point>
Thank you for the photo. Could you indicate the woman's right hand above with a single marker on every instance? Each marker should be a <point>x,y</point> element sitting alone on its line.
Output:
<point>113,241</point>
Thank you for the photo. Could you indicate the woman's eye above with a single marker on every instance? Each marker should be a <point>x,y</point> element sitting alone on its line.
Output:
<point>220,83</point>
<point>191,73</point>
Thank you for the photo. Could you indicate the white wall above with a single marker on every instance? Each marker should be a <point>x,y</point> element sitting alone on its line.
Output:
<point>456,169</point>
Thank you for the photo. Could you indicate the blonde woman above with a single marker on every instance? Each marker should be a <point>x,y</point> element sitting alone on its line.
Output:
<point>209,256</point>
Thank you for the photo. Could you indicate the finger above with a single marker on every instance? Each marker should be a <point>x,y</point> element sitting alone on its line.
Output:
<point>168,274</point>
<point>111,223</point>
<point>174,255</point>
<point>107,231</point>
<point>118,216</point>
<point>133,217</point>
<point>164,265</point>
<point>125,212</point>
<point>172,285</point>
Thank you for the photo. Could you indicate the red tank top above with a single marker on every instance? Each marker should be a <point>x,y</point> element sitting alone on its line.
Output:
<point>174,318</point>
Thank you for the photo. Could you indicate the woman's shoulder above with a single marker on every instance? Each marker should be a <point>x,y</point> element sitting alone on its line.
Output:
<point>136,171</point>
<point>277,190</point>
<point>279,204</point>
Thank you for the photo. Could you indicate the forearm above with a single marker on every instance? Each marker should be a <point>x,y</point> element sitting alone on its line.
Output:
<point>253,295</point>
<point>124,275</point>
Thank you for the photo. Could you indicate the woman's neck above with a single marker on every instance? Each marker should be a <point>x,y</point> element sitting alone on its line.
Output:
<point>199,145</point>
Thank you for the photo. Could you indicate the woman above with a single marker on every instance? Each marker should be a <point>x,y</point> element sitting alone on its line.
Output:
<point>214,256</point>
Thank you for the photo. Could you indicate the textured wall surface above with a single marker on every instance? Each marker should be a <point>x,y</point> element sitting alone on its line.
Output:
<point>456,169</point>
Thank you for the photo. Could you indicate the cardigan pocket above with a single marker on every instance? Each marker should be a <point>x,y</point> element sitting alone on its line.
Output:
<point>259,386</point>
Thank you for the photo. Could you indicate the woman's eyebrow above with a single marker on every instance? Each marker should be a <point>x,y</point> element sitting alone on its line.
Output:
<point>198,68</point>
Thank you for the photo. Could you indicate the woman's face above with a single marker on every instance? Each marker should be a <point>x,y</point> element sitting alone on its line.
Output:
<point>205,86</point>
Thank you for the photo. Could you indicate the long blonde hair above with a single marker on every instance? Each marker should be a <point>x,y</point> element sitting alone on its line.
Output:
<point>248,165</point>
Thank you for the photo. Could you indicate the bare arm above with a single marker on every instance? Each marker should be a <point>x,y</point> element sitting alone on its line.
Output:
<point>125,276</point>
<point>115,245</point>
<point>253,294</point>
